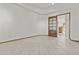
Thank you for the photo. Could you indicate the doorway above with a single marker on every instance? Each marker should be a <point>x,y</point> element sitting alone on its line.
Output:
<point>59,25</point>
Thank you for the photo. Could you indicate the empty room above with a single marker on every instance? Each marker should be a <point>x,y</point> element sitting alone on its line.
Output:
<point>39,29</point>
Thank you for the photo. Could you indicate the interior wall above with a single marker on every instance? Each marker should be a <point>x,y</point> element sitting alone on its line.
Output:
<point>17,22</point>
<point>42,25</point>
<point>75,23</point>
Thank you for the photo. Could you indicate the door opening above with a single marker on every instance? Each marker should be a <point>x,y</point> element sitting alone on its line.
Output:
<point>59,26</point>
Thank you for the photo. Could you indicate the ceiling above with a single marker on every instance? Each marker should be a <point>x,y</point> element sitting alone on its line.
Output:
<point>45,8</point>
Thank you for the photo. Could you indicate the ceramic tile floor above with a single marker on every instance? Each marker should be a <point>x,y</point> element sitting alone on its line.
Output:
<point>40,45</point>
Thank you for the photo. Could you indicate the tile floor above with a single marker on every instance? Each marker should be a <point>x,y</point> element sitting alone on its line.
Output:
<point>40,45</point>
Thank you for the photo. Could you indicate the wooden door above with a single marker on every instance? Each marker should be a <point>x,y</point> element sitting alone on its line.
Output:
<point>52,26</point>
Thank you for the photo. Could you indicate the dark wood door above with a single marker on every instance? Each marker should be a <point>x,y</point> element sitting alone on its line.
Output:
<point>52,26</point>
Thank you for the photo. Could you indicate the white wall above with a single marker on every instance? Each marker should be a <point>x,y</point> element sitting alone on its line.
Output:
<point>17,22</point>
<point>42,24</point>
<point>75,23</point>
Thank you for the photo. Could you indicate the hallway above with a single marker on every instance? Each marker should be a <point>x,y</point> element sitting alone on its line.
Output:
<point>40,45</point>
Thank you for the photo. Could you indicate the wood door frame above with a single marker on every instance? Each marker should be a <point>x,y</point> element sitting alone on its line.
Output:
<point>49,24</point>
<point>57,22</point>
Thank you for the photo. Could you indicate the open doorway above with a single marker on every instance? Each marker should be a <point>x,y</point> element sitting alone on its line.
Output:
<point>59,25</point>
